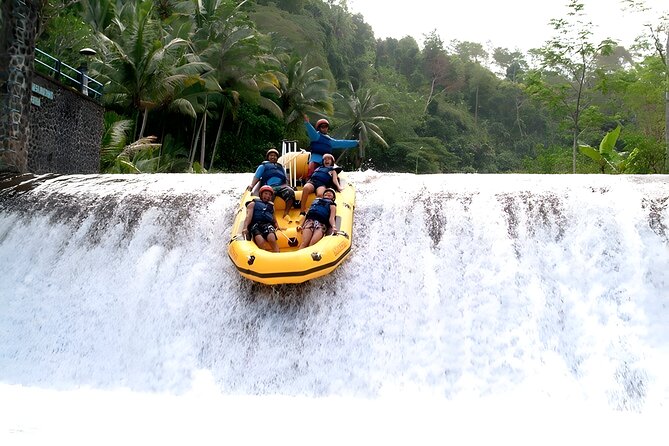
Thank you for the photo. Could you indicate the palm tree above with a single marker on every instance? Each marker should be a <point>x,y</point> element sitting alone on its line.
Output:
<point>224,38</point>
<point>359,114</point>
<point>303,90</point>
<point>116,155</point>
<point>194,99</point>
<point>119,155</point>
<point>142,70</point>
<point>99,14</point>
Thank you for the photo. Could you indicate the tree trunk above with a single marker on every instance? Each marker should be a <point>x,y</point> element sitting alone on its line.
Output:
<point>519,121</point>
<point>218,138</point>
<point>430,96</point>
<point>476,107</point>
<point>574,149</point>
<point>144,119</point>
<point>191,156</point>
<point>203,139</point>
<point>19,20</point>
<point>204,133</point>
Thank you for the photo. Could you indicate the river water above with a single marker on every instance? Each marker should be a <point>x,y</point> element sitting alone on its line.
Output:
<point>523,309</point>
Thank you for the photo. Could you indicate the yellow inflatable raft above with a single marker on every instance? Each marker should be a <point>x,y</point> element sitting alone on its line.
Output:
<point>293,265</point>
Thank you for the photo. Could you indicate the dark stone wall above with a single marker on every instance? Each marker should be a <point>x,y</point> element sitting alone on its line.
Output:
<point>17,52</point>
<point>65,130</point>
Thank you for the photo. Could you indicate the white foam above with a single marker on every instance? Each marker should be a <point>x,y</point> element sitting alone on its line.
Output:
<point>473,308</point>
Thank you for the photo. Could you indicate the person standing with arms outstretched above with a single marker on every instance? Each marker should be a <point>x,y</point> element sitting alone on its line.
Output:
<point>322,143</point>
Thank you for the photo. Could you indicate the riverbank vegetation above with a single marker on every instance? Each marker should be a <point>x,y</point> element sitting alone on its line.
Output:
<point>209,85</point>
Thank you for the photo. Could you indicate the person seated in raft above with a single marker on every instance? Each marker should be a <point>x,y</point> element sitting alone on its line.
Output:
<point>271,173</point>
<point>319,220</point>
<point>322,143</point>
<point>260,221</point>
<point>323,177</point>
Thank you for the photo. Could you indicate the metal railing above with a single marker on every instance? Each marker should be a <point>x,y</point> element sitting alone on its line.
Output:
<point>62,72</point>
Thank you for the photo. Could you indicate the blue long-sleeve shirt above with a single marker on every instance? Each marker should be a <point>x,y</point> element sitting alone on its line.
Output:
<point>322,144</point>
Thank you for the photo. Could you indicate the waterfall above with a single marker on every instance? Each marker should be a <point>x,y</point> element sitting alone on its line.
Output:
<point>485,297</point>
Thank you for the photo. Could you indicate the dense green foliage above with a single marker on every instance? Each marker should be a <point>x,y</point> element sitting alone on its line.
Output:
<point>212,84</point>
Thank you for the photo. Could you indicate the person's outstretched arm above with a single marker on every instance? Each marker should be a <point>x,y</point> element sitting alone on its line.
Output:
<point>343,143</point>
<point>311,131</point>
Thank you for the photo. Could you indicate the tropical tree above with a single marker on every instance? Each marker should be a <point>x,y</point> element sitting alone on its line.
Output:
<point>511,63</point>
<point>99,15</point>
<point>114,158</point>
<point>442,72</point>
<point>568,62</point>
<point>242,67</point>
<point>360,114</point>
<point>659,41</point>
<point>469,51</point>
<point>143,71</point>
<point>120,154</point>
<point>399,57</point>
<point>606,155</point>
<point>303,90</point>
<point>62,32</point>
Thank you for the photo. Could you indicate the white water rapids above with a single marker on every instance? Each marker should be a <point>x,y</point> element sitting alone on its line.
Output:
<point>496,309</point>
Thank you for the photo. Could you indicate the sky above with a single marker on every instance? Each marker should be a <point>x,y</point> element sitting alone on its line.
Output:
<point>512,24</point>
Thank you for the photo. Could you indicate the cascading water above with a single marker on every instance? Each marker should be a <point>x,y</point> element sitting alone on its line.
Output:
<point>466,299</point>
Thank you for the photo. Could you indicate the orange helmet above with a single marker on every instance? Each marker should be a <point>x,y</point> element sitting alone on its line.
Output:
<point>265,188</point>
<point>320,122</point>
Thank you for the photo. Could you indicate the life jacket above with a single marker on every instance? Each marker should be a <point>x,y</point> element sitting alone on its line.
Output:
<point>320,209</point>
<point>273,170</point>
<point>262,212</point>
<point>322,145</point>
<point>322,174</point>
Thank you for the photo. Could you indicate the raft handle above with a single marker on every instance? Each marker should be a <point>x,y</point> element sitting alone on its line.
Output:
<point>237,238</point>
<point>292,241</point>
